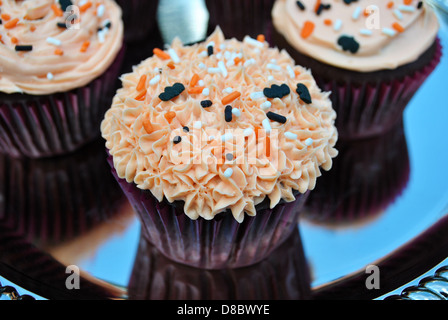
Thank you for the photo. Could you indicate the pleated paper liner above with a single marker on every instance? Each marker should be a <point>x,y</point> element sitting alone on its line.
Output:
<point>367,104</point>
<point>56,124</point>
<point>283,275</point>
<point>366,178</point>
<point>212,244</point>
<point>57,199</point>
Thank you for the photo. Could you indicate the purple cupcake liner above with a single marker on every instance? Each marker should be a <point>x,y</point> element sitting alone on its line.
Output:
<point>139,18</point>
<point>238,18</point>
<point>211,244</point>
<point>56,124</point>
<point>283,275</point>
<point>367,177</point>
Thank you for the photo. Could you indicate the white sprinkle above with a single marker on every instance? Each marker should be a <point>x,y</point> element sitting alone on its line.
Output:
<point>201,65</point>
<point>247,132</point>
<point>266,125</point>
<point>226,137</point>
<point>308,142</point>
<point>266,105</point>
<point>398,14</point>
<point>211,138</point>
<point>365,32</point>
<point>274,61</point>
<point>82,2</point>
<point>291,72</point>
<point>54,41</point>
<point>197,125</point>
<point>222,46</point>
<point>249,62</point>
<point>290,136</point>
<point>214,70</point>
<point>230,63</point>
<point>223,69</point>
<point>227,55</point>
<point>219,55</point>
<point>50,76</point>
<point>211,43</point>
<point>270,78</point>
<point>389,32</point>
<point>206,91</point>
<point>106,22</point>
<point>203,54</point>
<point>101,35</point>
<point>228,173</point>
<point>257,95</point>
<point>236,112</point>
<point>337,25</point>
<point>100,11</point>
<point>154,80</point>
<point>173,55</point>
<point>406,8</point>
<point>253,41</point>
<point>201,83</point>
<point>272,66</point>
<point>228,90</point>
<point>356,13</point>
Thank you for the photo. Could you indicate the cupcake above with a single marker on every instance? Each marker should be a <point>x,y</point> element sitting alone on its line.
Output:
<point>365,53</point>
<point>240,18</point>
<point>216,145</point>
<point>139,18</point>
<point>60,64</point>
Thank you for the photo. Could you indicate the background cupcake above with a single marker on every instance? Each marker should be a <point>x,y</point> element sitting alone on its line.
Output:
<point>365,53</point>
<point>60,67</point>
<point>216,145</point>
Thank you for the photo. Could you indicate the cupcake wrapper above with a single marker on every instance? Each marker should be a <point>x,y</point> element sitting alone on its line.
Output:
<point>56,124</point>
<point>239,18</point>
<point>139,18</point>
<point>284,275</point>
<point>367,176</point>
<point>212,244</point>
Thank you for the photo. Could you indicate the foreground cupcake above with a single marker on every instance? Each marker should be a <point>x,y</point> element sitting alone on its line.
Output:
<point>373,56</point>
<point>60,61</point>
<point>216,146</point>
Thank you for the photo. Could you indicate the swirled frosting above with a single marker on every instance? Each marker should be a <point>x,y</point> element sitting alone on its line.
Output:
<point>45,49</point>
<point>378,34</point>
<point>195,124</point>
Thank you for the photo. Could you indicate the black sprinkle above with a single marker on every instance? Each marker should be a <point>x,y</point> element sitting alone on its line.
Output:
<point>177,139</point>
<point>210,50</point>
<point>303,93</point>
<point>300,5</point>
<point>108,25</point>
<point>64,4</point>
<point>323,7</point>
<point>349,1</point>
<point>348,44</point>
<point>420,5</point>
<point>172,92</point>
<point>276,91</point>
<point>186,129</point>
<point>62,25</point>
<point>228,113</point>
<point>1,21</point>
<point>24,48</point>
<point>206,103</point>
<point>276,117</point>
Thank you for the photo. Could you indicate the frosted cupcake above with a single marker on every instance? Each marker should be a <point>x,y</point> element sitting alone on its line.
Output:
<point>216,146</point>
<point>365,52</point>
<point>60,63</point>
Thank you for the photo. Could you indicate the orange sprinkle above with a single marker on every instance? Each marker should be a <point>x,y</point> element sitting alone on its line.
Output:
<point>32,28</point>
<point>161,54</point>
<point>141,83</point>
<point>14,40</point>
<point>366,12</point>
<point>141,96</point>
<point>196,90</point>
<point>397,27</point>
<point>148,126</point>
<point>86,6</point>
<point>237,60</point>
<point>5,16</point>
<point>57,11</point>
<point>58,52</point>
<point>169,116</point>
<point>261,38</point>
<point>194,80</point>
<point>307,29</point>
<point>296,72</point>
<point>316,7</point>
<point>268,147</point>
<point>11,23</point>
<point>256,130</point>
<point>407,2</point>
<point>229,98</point>
<point>85,46</point>
<point>390,5</point>
<point>328,22</point>
<point>171,65</point>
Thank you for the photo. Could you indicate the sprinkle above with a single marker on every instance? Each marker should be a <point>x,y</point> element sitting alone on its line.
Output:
<point>253,42</point>
<point>328,22</point>
<point>276,117</point>
<point>201,83</point>
<point>50,76</point>
<point>356,13</point>
<point>317,5</point>
<point>213,70</point>
<point>177,139</point>
<point>172,92</point>
<point>102,35</point>
<point>390,5</point>
<point>257,95</point>
<point>272,66</point>
<point>147,125</point>
<point>85,7</point>
<point>228,173</point>
<point>348,44</point>
<point>201,65</point>
<point>247,132</point>
<point>300,5</point>
<point>11,23</point>
<point>171,65</point>
<point>236,112</point>
<point>85,46</point>
<point>230,97</point>
<point>261,38</point>
<point>5,16</point>
<point>56,10</point>
<point>322,7</point>
<point>406,8</point>
<point>24,48</point>
<point>141,96</point>
<point>141,83</point>
<point>407,2</point>
<point>173,55</point>
<point>303,93</point>
<point>266,125</point>
<point>389,32</point>
<point>291,72</point>
<point>290,136</point>
<point>365,32</point>
<point>100,11</point>
<point>211,43</point>
<point>226,137</point>
<point>308,142</point>
<point>210,50</point>
<point>169,116</point>
<point>266,105</point>
<point>420,5</point>
<point>307,29</point>
<point>203,54</point>
<point>61,25</point>
<point>206,103</point>
<point>197,125</point>
<point>228,90</point>
<point>276,91</point>
<point>206,91</point>
<point>58,52</point>
<point>228,113</point>
<point>186,129</point>
<point>268,147</point>
<point>194,80</point>
<point>337,25</point>
<point>398,27</point>
<point>154,80</point>
<point>248,62</point>
<point>161,54</point>
<point>196,90</point>
<point>397,13</point>
<point>223,69</point>
<point>14,40</point>
<point>270,78</point>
